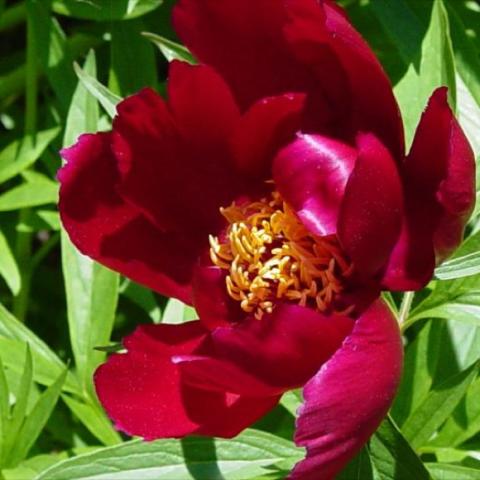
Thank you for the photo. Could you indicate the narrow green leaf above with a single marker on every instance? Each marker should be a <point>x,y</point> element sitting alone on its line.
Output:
<point>12,352</point>
<point>143,297</point>
<point>11,328</point>
<point>54,56</point>
<point>99,10</point>
<point>8,266</point>
<point>107,99</point>
<point>4,406</point>
<point>249,455</point>
<point>29,194</point>
<point>21,154</point>
<point>37,419</point>
<point>434,68</point>
<point>464,422</point>
<point>92,290</point>
<point>441,471</point>
<point>19,411</point>
<point>360,468</point>
<point>420,365</point>
<point>392,457</point>
<point>129,48</point>
<point>170,49</point>
<point>459,267</point>
<point>437,407</point>
<point>177,312</point>
<point>94,418</point>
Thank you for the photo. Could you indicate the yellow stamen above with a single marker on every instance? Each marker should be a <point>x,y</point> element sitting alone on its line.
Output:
<point>271,256</point>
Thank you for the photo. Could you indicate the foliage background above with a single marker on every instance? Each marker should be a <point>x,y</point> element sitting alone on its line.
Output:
<point>56,305</point>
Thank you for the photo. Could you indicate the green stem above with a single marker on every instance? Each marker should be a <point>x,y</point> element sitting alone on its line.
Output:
<point>405,307</point>
<point>23,246</point>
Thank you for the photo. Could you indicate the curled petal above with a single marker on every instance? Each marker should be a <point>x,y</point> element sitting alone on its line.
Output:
<point>282,351</point>
<point>370,215</point>
<point>143,391</point>
<point>174,159</point>
<point>347,399</point>
<point>311,174</point>
<point>104,227</point>
<point>440,195</point>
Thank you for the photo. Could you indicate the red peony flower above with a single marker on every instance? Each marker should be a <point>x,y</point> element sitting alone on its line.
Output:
<point>271,192</point>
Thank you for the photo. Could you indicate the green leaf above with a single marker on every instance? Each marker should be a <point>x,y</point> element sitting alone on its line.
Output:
<point>129,48</point>
<point>107,99</point>
<point>12,352</point>
<point>459,267</point>
<point>11,328</point>
<point>391,456</point>
<point>420,365</point>
<point>23,153</point>
<point>177,312</point>
<point>465,421</point>
<point>437,407</point>
<point>170,49</point>
<point>433,69</point>
<point>54,56</point>
<point>249,455</point>
<point>94,418</point>
<point>441,471</point>
<point>4,406</point>
<point>37,419</point>
<point>8,266</point>
<point>91,289</point>
<point>102,10</point>
<point>360,468</point>
<point>143,297</point>
<point>19,411</point>
<point>30,194</point>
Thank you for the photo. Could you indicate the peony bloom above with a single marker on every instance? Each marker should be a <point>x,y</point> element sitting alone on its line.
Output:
<point>270,191</point>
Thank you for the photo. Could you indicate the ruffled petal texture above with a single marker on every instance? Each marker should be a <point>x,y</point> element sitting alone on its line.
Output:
<point>439,184</point>
<point>143,391</point>
<point>106,228</point>
<point>172,155</point>
<point>273,47</point>
<point>347,399</point>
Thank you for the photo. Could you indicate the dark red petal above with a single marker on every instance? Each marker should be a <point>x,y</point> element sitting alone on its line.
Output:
<point>175,160</point>
<point>352,82</point>
<point>273,47</point>
<point>440,195</point>
<point>212,302</point>
<point>346,400</point>
<point>370,215</point>
<point>243,40</point>
<point>311,174</point>
<point>143,392</point>
<point>283,350</point>
<point>104,227</point>
<point>268,125</point>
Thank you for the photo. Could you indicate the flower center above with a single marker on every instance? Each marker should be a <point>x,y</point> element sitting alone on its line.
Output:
<point>270,256</point>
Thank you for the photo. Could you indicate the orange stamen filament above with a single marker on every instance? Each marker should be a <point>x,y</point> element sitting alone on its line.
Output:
<point>271,256</point>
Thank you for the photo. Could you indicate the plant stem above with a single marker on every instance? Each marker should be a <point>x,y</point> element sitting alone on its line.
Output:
<point>23,247</point>
<point>405,307</point>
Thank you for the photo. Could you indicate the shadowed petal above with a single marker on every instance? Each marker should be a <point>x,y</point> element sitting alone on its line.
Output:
<point>311,175</point>
<point>370,215</point>
<point>174,159</point>
<point>104,227</point>
<point>273,47</point>
<point>347,399</point>
<point>143,391</point>
<point>440,195</point>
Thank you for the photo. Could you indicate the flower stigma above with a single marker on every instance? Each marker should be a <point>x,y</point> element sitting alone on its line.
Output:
<point>271,256</point>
